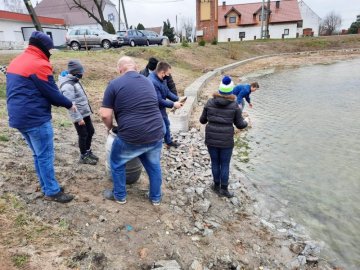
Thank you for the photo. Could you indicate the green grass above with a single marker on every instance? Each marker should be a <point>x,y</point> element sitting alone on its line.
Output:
<point>4,138</point>
<point>19,260</point>
<point>2,90</point>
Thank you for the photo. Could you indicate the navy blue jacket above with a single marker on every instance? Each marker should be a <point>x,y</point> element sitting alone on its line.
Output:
<point>242,91</point>
<point>163,93</point>
<point>31,90</point>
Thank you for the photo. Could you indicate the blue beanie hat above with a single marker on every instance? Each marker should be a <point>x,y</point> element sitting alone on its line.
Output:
<point>40,37</point>
<point>226,86</point>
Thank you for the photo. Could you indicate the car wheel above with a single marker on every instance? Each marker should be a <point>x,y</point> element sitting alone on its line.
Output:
<point>75,46</point>
<point>147,43</point>
<point>132,43</point>
<point>106,44</point>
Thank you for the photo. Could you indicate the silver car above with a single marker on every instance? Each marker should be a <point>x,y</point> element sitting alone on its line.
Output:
<point>78,38</point>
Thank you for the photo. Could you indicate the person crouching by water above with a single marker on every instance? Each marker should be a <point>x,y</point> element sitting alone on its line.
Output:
<point>70,86</point>
<point>220,114</point>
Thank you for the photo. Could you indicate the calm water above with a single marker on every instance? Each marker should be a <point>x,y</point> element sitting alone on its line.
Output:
<point>304,147</point>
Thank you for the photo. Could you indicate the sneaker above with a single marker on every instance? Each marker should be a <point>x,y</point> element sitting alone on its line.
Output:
<point>85,159</point>
<point>156,203</point>
<point>60,197</point>
<point>172,144</point>
<point>226,193</point>
<point>61,189</point>
<point>109,195</point>
<point>90,154</point>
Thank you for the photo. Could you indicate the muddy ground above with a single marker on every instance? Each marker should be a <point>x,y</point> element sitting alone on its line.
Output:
<point>92,233</point>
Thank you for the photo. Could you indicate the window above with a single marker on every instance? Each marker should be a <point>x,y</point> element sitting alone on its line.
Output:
<point>241,34</point>
<point>286,32</point>
<point>81,32</point>
<point>232,19</point>
<point>299,24</point>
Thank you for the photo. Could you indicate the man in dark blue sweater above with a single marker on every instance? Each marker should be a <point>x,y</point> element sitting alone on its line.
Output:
<point>30,92</point>
<point>133,100</point>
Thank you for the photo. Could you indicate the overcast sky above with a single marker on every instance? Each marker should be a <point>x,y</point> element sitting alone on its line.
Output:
<point>152,13</point>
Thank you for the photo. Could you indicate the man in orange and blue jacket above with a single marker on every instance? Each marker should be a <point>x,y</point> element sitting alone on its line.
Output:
<point>30,92</point>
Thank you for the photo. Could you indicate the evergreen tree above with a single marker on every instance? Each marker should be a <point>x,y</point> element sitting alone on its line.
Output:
<point>354,28</point>
<point>169,31</point>
<point>109,28</point>
<point>140,26</point>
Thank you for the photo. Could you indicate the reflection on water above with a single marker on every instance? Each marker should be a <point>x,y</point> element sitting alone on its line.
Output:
<point>304,147</point>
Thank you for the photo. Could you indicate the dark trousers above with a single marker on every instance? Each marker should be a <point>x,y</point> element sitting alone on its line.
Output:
<point>167,136</point>
<point>220,163</point>
<point>85,133</point>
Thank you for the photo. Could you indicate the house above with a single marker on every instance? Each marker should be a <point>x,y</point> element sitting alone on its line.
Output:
<point>287,19</point>
<point>16,28</point>
<point>158,30</point>
<point>17,6</point>
<point>75,17</point>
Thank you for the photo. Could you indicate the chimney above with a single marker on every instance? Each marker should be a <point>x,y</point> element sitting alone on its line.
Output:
<point>277,4</point>
<point>224,3</point>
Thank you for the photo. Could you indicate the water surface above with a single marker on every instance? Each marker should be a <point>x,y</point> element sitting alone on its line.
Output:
<point>304,147</point>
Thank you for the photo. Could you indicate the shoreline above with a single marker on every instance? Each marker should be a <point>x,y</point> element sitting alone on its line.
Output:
<point>260,206</point>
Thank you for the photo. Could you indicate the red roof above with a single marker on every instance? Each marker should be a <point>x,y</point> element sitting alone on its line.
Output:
<point>20,17</point>
<point>288,11</point>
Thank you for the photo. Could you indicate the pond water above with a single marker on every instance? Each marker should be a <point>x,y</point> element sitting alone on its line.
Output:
<point>304,147</point>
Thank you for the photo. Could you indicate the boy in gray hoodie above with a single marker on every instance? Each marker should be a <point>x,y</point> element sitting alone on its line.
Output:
<point>70,86</point>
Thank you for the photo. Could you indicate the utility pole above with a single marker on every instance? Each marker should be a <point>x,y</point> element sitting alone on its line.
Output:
<point>262,20</point>
<point>267,19</point>
<point>33,16</point>
<point>119,18</point>
<point>123,7</point>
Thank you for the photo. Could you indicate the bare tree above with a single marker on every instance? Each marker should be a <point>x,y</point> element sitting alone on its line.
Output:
<point>93,8</point>
<point>187,24</point>
<point>330,23</point>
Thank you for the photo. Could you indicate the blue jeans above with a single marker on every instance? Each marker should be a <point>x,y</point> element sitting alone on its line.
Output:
<point>40,141</point>
<point>149,155</point>
<point>167,137</point>
<point>220,163</point>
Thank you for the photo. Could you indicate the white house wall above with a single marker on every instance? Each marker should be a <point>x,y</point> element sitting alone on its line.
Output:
<point>11,35</point>
<point>310,18</point>
<point>275,31</point>
<point>111,14</point>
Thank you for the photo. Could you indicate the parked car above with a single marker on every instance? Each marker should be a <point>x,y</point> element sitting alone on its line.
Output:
<point>132,37</point>
<point>155,38</point>
<point>78,38</point>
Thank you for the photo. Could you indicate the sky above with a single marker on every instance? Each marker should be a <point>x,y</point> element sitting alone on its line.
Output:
<point>152,13</point>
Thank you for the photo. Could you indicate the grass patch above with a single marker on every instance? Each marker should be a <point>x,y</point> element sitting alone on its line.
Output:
<point>4,138</point>
<point>19,260</point>
<point>64,224</point>
<point>2,90</point>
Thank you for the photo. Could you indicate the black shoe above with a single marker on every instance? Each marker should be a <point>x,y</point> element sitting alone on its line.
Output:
<point>61,197</point>
<point>85,159</point>
<point>90,154</point>
<point>172,144</point>
<point>216,188</point>
<point>226,193</point>
<point>61,189</point>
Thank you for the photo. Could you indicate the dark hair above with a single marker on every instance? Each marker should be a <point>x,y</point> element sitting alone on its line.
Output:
<point>152,63</point>
<point>162,66</point>
<point>254,84</point>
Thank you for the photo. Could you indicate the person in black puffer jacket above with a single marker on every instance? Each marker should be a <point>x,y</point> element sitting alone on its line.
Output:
<point>220,114</point>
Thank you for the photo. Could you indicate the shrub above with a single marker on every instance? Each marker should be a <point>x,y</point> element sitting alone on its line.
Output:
<point>214,42</point>
<point>185,43</point>
<point>202,42</point>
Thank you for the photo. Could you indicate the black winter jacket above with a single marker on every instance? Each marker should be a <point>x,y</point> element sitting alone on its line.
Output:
<point>221,113</point>
<point>170,81</point>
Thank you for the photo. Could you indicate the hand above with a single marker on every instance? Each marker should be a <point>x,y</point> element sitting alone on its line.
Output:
<point>178,105</point>
<point>73,108</point>
<point>250,105</point>
<point>81,122</point>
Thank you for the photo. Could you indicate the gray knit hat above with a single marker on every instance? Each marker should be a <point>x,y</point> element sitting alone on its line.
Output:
<point>74,67</point>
